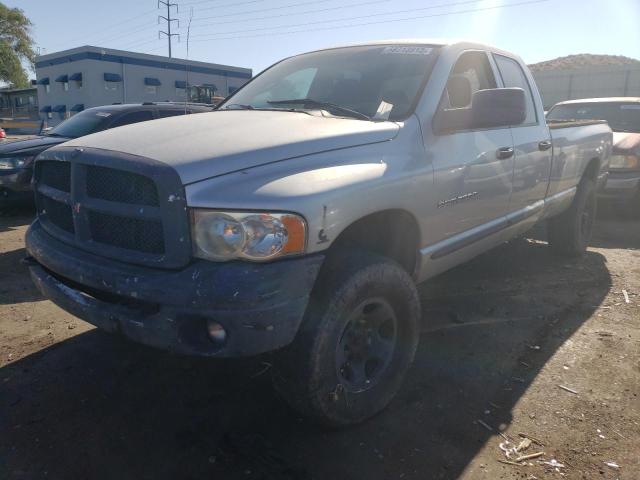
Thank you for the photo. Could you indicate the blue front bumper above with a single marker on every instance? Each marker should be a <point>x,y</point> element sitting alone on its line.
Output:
<point>260,306</point>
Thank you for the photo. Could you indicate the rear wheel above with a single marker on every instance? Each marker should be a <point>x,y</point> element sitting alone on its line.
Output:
<point>356,343</point>
<point>570,232</point>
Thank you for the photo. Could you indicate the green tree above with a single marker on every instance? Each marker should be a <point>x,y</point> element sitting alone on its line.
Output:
<point>16,46</point>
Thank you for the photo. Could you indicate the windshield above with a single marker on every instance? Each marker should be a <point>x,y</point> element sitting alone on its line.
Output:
<point>81,124</point>
<point>622,117</point>
<point>381,82</point>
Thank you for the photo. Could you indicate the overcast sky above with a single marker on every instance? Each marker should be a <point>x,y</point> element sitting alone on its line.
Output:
<point>256,33</point>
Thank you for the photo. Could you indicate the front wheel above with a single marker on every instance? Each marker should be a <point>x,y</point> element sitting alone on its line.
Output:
<point>357,341</point>
<point>570,232</point>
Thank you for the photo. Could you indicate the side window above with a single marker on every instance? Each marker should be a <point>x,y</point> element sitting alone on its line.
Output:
<point>472,72</point>
<point>513,76</point>
<point>133,117</point>
<point>170,113</point>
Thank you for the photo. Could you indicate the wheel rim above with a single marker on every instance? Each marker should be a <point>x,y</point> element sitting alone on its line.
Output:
<point>367,345</point>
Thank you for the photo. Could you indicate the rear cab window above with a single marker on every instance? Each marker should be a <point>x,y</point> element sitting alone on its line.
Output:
<point>621,116</point>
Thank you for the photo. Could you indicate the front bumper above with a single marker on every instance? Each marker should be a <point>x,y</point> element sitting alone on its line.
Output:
<point>621,186</point>
<point>260,306</point>
<point>15,186</point>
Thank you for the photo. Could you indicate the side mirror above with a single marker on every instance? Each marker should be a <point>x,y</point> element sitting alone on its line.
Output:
<point>491,108</point>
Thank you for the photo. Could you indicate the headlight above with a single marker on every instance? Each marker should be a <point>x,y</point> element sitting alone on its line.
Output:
<point>624,162</point>
<point>252,236</point>
<point>8,163</point>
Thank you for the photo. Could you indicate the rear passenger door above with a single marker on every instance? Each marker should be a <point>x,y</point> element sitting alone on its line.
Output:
<point>473,168</point>
<point>532,143</point>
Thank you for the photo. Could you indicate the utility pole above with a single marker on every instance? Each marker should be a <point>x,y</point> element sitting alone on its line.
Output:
<point>168,19</point>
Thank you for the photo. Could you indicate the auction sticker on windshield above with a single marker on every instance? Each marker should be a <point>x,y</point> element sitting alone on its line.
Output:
<point>407,50</point>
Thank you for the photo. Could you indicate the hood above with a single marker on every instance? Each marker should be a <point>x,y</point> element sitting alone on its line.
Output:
<point>206,145</point>
<point>625,143</point>
<point>36,144</point>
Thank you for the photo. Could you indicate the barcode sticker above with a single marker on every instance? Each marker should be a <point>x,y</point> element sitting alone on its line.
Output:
<point>407,50</point>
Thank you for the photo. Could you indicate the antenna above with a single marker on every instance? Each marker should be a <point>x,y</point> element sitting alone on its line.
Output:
<point>168,19</point>
<point>186,66</point>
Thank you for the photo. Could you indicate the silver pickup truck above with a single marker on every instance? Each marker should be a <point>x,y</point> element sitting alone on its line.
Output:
<point>299,217</point>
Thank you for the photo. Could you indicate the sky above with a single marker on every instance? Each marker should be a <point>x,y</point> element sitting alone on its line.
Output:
<point>257,33</point>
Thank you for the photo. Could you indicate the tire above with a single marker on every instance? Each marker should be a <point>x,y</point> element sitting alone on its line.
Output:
<point>570,232</point>
<point>356,342</point>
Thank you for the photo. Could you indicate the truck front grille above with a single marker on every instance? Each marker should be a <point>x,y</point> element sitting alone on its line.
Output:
<point>119,186</point>
<point>129,233</point>
<point>55,174</point>
<point>116,206</point>
<point>57,213</point>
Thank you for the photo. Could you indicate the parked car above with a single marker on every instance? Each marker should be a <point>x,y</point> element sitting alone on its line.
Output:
<point>3,134</point>
<point>299,216</point>
<point>16,157</point>
<point>623,116</point>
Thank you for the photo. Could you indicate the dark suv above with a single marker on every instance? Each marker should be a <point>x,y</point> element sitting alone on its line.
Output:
<point>16,158</point>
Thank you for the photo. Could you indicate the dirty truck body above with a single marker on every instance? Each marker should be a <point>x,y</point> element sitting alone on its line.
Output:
<point>299,217</point>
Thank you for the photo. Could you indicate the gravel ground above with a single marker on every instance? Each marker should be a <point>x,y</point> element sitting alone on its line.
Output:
<point>501,333</point>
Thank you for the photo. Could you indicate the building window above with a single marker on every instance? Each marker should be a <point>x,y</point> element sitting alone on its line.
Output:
<point>77,78</point>
<point>65,86</point>
<point>47,88</point>
<point>151,89</point>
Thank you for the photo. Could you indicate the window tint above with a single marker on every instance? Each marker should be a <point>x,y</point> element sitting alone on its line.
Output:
<point>133,117</point>
<point>472,72</point>
<point>171,113</point>
<point>513,76</point>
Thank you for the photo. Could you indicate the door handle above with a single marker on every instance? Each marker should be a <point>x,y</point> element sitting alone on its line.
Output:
<point>544,145</point>
<point>504,153</point>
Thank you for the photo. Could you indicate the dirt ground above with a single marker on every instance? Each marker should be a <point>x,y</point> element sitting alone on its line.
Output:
<point>501,334</point>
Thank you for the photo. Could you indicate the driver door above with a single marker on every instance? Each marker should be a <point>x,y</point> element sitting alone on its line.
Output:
<point>473,168</point>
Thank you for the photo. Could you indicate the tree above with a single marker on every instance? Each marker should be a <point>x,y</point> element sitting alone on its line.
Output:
<point>16,46</point>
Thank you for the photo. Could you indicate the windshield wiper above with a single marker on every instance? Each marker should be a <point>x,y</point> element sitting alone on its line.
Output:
<point>327,105</point>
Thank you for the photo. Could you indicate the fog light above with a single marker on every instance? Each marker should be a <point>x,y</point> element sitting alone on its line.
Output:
<point>216,332</point>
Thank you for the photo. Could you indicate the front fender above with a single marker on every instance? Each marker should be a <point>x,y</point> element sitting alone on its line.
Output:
<point>330,190</point>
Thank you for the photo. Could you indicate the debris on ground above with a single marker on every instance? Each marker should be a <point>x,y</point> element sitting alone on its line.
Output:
<point>485,425</point>
<point>523,445</point>
<point>554,463</point>
<point>570,390</point>
<point>531,456</point>
<point>532,438</point>
<point>625,294</point>
<point>612,465</point>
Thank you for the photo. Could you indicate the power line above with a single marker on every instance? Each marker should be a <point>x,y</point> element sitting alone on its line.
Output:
<point>247,12</point>
<point>224,5</point>
<point>358,17</point>
<point>168,19</point>
<point>379,22</point>
<point>280,15</point>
